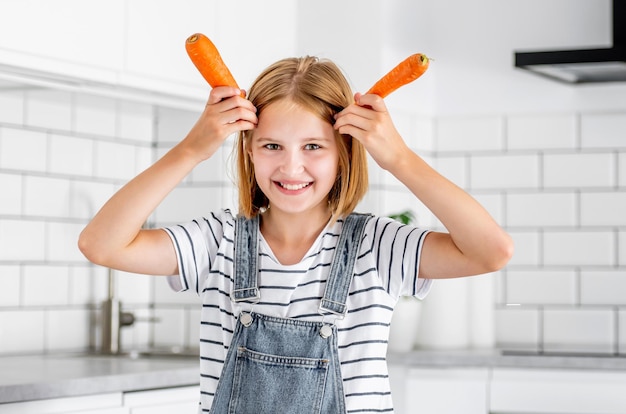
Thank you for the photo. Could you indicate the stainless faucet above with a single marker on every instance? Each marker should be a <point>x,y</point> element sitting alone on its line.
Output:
<point>113,319</point>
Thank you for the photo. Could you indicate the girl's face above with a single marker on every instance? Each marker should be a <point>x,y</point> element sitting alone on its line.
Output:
<point>295,158</point>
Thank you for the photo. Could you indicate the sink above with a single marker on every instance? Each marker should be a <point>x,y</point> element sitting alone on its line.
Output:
<point>562,354</point>
<point>161,354</point>
<point>151,353</point>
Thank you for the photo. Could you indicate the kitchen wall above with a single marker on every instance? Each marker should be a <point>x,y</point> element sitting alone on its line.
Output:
<point>62,155</point>
<point>556,181</point>
<point>548,160</point>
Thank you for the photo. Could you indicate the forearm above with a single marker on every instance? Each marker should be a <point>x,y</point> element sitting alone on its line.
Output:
<point>472,230</point>
<point>475,242</point>
<point>119,221</point>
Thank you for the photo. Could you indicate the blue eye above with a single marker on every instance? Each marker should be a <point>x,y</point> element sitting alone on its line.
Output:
<point>311,147</point>
<point>272,147</point>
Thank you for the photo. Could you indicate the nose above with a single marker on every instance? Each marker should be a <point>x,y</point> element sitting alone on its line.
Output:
<point>292,163</point>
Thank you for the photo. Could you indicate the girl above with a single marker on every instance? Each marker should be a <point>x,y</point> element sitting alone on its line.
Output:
<point>297,291</point>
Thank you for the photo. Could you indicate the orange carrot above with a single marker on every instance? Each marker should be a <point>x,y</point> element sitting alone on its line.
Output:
<point>208,61</point>
<point>407,71</point>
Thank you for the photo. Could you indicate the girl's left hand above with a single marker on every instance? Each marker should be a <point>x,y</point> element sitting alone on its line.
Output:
<point>368,121</point>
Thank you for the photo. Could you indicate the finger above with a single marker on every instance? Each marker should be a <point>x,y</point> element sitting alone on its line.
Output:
<point>222,92</point>
<point>352,112</point>
<point>353,131</point>
<point>234,102</point>
<point>237,126</point>
<point>239,113</point>
<point>372,101</point>
<point>242,125</point>
<point>353,119</point>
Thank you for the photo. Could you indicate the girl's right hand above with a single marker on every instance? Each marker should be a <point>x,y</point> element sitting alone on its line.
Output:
<point>225,113</point>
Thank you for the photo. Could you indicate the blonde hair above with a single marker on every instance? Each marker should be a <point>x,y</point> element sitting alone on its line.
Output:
<point>318,86</point>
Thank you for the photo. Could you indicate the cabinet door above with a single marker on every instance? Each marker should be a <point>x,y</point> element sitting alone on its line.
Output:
<point>90,404</point>
<point>446,391</point>
<point>163,401</point>
<point>261,33</point>
<point>558,391</point>
<point>249,35</point>
<point>157,30</point>
<point>63,34</point>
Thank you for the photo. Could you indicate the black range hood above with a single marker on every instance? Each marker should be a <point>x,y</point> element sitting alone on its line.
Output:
<point>584,65</point>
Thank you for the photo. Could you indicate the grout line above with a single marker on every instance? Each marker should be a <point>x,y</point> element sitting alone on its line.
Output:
<point>578,286</point>
<point>77,134</point>
<point>541,171</point>
<point>616,331</point>
<point>541,329</point>
<point>616,261</point>
<point>505,136</point>
<point>578,132</point>
<point>578,219</point>
<point>541,247</point>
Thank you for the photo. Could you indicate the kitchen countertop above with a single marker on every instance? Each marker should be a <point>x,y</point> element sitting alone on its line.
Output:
<point>24,378</point>
<point>504,359</point>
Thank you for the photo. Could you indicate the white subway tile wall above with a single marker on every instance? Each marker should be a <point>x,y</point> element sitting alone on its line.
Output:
<point>566,283</point>
<point>468,134</point>
<point>532,132</point>
<point>528,249</point>
<point>579,248</point>
<point>621,242</point>
<point>579,330</point>
<point>23,331</point>
<point>593,287</point>
<point>62,155</point>
<point>621,169</point>
<point>541,209</point>
<point>543,287</point>
<point>12,104</point>
<point>603,209</point>
<point>23,150</point>
<point>518,328</point>
<point>555,181</point>
<point>621,331</point>
<point>504,171</point>
<point>49,109</point>
<point>578,170</point>
<point>603,130</point>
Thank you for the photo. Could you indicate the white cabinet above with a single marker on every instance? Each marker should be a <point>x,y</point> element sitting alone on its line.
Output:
<point>90,404</point>
<point>165,401</point>
<point>131,43</point>
<point>507,390</point>
<point>159,401</point>
<point>155,53</point>
<point>252,34</point>
<point>141,43</point>
<point>72,37</point>
<point>440,390</point>
<point>532,391</point>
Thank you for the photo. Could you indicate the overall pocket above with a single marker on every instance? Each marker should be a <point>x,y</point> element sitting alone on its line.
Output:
<point>270,384</point>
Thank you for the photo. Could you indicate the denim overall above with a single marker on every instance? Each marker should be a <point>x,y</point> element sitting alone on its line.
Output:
<point>288,366</point>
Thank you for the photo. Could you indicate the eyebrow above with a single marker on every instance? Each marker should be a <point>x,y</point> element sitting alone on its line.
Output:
<point>307,139</point>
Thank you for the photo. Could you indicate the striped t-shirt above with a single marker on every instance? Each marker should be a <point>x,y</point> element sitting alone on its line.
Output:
<point>386,268</point>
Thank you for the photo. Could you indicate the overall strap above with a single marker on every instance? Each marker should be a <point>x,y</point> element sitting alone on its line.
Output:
<point>342,266</point>
<point>245,259</point>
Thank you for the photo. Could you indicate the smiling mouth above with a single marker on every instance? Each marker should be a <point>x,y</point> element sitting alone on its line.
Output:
<point>294,187</point>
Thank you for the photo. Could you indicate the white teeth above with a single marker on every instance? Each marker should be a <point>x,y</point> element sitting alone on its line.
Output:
<point>293,187</point>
